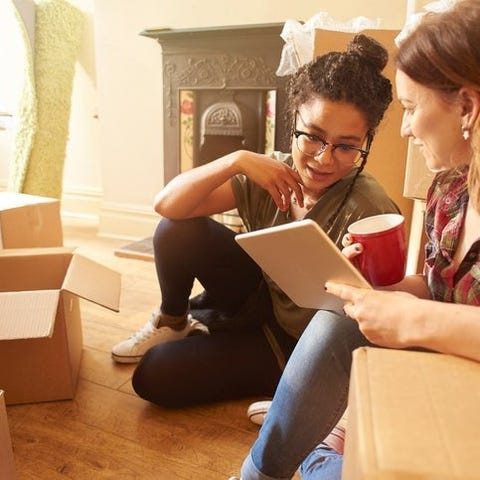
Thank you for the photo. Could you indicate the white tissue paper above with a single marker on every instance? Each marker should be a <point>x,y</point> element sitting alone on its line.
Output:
<point>299,38</point>
<point>414,19</point>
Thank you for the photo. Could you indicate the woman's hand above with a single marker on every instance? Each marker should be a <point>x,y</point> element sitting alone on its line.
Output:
<point>350,249</point>
<point>277,178</point>
<point>398,319</point>
<point>385,318</point>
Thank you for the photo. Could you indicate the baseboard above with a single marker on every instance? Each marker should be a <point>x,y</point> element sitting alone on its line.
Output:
<point>127,221</point>
<point>115,220</point>
<point>81,204</point>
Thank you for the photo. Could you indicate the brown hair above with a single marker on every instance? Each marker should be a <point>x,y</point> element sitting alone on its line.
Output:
<point>443,53</point>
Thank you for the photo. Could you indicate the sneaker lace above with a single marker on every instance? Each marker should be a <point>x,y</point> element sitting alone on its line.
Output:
<point>146,332</point>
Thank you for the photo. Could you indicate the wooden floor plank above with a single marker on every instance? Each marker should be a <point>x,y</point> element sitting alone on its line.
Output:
<point>104,432</point>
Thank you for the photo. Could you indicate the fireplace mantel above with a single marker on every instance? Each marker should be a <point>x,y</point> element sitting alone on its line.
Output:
<point>219,60</point>
<point>224,31</point>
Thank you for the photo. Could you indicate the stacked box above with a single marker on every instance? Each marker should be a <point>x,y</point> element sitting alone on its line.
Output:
<point>412,415</point>
<point>29,221</point>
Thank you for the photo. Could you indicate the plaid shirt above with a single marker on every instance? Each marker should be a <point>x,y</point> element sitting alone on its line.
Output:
<point>447,202</point>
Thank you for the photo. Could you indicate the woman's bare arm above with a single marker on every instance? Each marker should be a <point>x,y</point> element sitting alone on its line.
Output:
<point>400,320</point>
<point>206,190</point>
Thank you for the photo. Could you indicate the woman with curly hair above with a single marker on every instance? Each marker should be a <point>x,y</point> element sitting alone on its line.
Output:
<point>335,103</point>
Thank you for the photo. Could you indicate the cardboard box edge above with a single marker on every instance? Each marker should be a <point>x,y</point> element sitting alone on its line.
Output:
<point>7,461</point>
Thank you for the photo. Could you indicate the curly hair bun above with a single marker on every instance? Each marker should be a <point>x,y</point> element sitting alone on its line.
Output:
<point>370,50</point>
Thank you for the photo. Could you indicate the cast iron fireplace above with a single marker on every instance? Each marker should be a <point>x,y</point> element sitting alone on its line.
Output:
<point>220,93</point>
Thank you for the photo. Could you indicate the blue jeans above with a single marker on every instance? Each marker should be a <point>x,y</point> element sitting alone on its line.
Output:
<point>323,463</point>
<point>309,400</point>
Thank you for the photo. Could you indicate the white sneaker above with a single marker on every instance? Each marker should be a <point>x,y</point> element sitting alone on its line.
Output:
<point>257,411</point>
<point>133,349</point>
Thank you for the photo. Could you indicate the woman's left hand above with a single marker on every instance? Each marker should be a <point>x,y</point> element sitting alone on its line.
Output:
<point>350,249</point>
<point>382,316</point>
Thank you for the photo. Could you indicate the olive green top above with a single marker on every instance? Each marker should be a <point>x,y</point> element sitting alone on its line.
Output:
<point>258,210</point>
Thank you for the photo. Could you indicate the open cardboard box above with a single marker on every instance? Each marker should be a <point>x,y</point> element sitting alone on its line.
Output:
<point>29,221</point>
<point>7,464</point>
<point>40,324</point>
<point>412,415</point>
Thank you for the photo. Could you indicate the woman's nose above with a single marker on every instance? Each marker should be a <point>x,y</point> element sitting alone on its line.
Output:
<point>405,130</point>
<point>325,156</point>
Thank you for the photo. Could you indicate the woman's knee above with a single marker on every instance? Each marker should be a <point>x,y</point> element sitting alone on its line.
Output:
<point>176,232</point>
<point>331,328</point>
<point>156,377</point>
<point>330,337</point>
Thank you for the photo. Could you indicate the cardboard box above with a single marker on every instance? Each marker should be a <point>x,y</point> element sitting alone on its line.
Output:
<point>417,176</point>
<point>412,415</point>
<point>388,155</point>
<point>40,325</point>
<point>29,221</point>
<point>7,463</point>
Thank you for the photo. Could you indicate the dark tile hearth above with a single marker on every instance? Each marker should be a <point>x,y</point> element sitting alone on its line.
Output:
<point>141,250</point>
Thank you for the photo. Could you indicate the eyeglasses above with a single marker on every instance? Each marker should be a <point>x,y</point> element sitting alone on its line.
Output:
<point>313,146</point>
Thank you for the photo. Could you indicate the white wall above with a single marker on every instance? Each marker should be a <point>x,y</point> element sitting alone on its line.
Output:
<point>82,180</point>
<point>114,162</point>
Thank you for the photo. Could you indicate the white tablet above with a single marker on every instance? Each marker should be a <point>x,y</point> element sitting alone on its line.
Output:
<point>300,257</point>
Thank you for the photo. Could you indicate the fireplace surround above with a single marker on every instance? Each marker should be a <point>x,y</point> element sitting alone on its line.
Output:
<point>220,93</point>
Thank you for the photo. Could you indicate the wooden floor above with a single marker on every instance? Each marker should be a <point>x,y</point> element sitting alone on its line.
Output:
<point>106,431</point>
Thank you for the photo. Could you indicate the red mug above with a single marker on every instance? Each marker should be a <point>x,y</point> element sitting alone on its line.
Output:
<point>384,256</point>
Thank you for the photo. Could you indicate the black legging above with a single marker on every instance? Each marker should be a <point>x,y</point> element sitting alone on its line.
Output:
<point>204,249</point>
<point>226,364</point>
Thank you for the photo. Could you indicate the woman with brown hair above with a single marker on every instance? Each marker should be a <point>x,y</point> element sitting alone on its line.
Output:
<point>438,84</point>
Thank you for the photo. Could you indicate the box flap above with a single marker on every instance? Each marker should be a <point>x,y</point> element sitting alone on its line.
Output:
<point>28,314</point>
<point>35,251</point>
<point>92,281</point>
<point>33,269</point>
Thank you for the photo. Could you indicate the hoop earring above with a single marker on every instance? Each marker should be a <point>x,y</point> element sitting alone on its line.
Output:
<point>465,133</point>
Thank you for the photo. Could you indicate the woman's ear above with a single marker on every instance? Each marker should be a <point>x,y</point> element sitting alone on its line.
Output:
<point>470,101</point>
